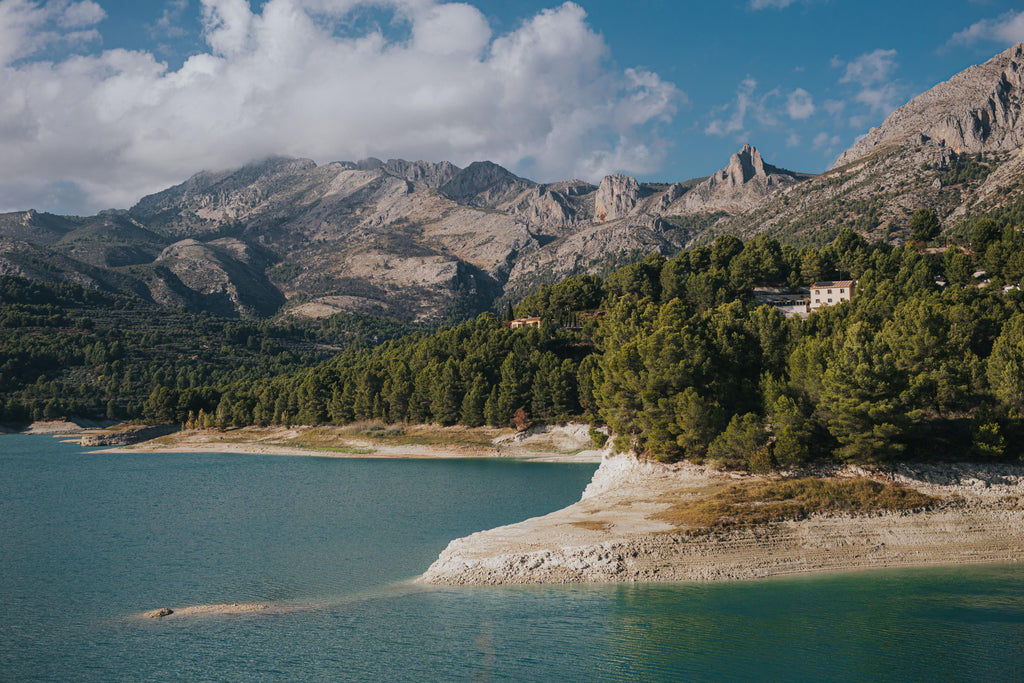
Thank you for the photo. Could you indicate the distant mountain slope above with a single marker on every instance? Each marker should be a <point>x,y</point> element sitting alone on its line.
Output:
<point>422,241</point>
<point>956,149</point>
<point>977,110</point>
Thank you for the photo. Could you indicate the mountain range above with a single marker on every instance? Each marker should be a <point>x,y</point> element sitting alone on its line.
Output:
<point>424,241</point>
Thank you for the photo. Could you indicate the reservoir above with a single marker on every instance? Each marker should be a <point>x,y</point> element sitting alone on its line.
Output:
<point>89,541</point>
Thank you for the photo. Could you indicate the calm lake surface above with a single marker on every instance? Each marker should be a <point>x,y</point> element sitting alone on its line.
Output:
<point>88,541</point>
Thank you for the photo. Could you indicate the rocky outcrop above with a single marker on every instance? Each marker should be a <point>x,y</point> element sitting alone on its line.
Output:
<point>484,184</point>
<point>740,186</point>
<point>422,172</point>
<point>126,435</point>
<point>978,110</point>
<point>224,276</point>
<point>616,197</point>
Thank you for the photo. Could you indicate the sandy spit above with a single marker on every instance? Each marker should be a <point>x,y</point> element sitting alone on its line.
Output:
<point>613,534</point>
<point>198,610</point>
<point>563,443</point>
<point>66,427</point>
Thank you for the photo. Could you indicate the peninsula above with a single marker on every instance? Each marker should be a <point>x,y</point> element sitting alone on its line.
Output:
<point>632,525</point>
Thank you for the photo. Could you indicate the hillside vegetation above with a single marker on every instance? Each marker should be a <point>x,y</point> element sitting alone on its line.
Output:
<point>674,355</point>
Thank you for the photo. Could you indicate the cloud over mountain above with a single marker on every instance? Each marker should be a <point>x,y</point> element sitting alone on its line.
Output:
<point>423,79</point>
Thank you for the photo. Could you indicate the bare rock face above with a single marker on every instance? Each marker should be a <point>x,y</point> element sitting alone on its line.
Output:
<point>978,110</point>
<point>484,184</point>
<point>224,276</point>
<point>741,185</point>
<point>616,197</point>
<point>422,172</point>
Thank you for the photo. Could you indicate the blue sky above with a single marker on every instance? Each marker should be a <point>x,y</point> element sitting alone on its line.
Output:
<point>105,100</point>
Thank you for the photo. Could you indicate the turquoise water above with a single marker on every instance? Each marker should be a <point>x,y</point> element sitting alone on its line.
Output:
<point>89,540</point>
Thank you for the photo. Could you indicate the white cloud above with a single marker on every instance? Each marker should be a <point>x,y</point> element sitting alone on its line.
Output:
<point>877,91</point>
<point>169,23</point>
<point>824,140</point>
<point>542,98</point>
<point>743,103</point>
<point>81,15</point>
<point>1007,29</point>
<point>870,68</point>
<point>881,100</point>
<point>766,110</point>
<point>834,107</point>
<point>800,105</point>
<point>26,27</point>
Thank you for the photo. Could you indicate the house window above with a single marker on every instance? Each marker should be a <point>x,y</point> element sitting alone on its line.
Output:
<point>830,300</point>
<point>842,291</point>
<point>830,291</point>
<point>817,301</point>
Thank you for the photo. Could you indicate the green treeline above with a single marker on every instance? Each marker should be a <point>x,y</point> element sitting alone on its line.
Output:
<point>679,360</point>
<point>67,351</point>
<point>476,373</point>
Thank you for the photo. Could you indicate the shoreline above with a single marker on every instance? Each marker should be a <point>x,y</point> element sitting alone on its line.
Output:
<point>617,531</point>
<point>614,533</point>
<point>569,443</point>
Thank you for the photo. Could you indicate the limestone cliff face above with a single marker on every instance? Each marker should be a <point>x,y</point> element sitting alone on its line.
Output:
<point>616,197</point>
<point>978,110</point>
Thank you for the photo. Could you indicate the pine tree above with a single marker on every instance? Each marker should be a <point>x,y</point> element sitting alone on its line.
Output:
<point>475,402</point>
<point>446,398</point>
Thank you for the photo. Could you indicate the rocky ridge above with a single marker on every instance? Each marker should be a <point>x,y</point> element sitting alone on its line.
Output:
<point>420,240</point>
<point>407,239</point>
<point>955,149</point>
<point>977,110</point>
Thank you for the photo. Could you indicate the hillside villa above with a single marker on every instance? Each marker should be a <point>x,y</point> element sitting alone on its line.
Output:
<point>831,292</point>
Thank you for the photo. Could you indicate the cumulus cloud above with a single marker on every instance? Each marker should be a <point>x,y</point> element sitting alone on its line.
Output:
<point>1007,29</point>
<point>736,123</point>
<point>765,109</point>
<point>169,23</point>
<point>296,78</point>
<point>870,68</point>
<point>28,27</point>
<point>872,74</point>
<point>800,105</point>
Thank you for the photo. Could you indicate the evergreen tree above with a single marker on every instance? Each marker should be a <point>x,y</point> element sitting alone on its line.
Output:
<point>446,399</point>
<point>475,402</point>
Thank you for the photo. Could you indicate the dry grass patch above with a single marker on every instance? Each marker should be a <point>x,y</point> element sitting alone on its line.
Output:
<point>592,525</point>
<point>763,502</point>
<point>427,435</point>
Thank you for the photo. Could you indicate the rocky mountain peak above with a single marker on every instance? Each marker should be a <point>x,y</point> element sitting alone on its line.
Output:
<point>745,181</point>
<point>425,172</point>
<point>615,198</point>
<point>978,110</point>
<point>484,183</point>
<point>744,166</point>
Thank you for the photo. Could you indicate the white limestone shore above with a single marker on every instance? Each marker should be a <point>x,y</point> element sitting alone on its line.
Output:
<point>614,533</point>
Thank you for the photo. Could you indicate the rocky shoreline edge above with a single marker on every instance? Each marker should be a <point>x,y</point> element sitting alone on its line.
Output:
<point>617,531</point>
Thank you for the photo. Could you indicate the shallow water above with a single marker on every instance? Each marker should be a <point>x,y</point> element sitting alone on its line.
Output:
<point>88,541</point>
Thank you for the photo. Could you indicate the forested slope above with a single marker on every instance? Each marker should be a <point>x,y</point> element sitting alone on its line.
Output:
<point>927,361</point>
<point>674,355</point>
